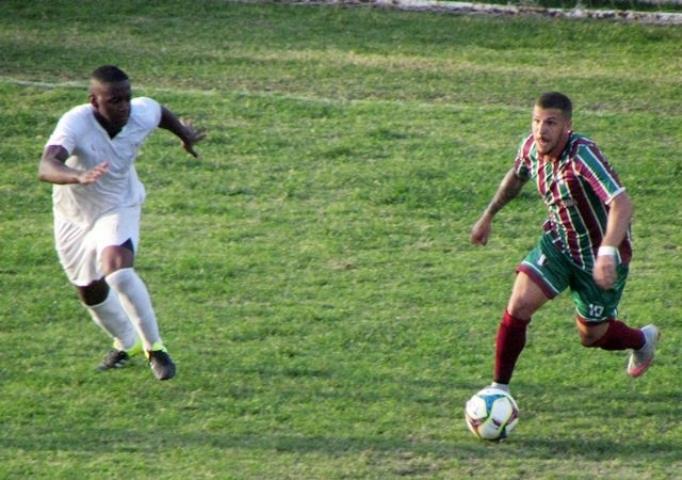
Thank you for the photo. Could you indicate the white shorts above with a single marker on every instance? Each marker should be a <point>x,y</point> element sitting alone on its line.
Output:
<point>80,248</point>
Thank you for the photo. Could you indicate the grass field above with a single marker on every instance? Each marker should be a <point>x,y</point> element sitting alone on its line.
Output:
<point>312,272</point>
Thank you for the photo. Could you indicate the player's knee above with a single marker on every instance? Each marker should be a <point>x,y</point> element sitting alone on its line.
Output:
<point>589,340</point>
<point>591,334</point>
<point>519,308</point>
<point>94,293</point>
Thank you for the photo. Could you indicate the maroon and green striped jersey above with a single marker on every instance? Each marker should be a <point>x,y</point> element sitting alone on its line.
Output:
<point>577,190</point>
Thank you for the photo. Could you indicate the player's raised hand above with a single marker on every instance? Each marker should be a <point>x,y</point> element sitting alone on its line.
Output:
<point>605,271</point>
<point>94,174</point>
<point>481,230</point>
<point>191,137</point>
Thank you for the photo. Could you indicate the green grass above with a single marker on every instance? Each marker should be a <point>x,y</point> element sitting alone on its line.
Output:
<point>312,272</point>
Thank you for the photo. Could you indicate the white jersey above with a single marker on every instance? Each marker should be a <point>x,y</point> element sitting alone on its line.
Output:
<point>89,144</point>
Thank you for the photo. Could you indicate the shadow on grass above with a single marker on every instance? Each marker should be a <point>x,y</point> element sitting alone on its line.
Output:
<point>121,441</point>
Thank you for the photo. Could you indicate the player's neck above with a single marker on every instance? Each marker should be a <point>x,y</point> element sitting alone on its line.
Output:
<point>112,130</point>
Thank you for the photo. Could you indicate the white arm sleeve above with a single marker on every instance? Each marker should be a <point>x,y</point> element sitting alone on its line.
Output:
<point>149,111</point>
<point>65,133</point>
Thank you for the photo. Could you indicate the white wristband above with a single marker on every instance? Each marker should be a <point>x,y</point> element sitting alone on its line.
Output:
<point>607,250</point>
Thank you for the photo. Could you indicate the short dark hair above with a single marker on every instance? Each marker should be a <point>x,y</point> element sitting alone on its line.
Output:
<point>109,74</point>
<point>556,100</point>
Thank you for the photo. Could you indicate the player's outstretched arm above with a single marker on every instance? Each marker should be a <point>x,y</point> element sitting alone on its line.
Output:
<point>509,188</point>
<point>183,129</point>
<point>53,170</point>
<point>618,222</point>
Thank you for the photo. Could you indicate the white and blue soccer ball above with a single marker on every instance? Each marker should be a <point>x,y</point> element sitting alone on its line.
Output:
<point>491,414</point>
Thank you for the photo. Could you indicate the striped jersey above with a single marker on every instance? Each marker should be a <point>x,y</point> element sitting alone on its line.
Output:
<point>577,190</point>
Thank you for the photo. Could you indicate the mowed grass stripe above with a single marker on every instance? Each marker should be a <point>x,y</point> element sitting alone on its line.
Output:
<point>471,60</point>
<point>146,89</point>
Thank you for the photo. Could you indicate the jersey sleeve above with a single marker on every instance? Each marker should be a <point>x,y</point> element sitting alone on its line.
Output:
<point>66,132</point>
<point>592,165</point>
<point>148,112</point>
<point>522,162</point>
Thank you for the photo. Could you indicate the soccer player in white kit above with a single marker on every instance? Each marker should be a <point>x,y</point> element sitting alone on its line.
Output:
<point>97,199</point>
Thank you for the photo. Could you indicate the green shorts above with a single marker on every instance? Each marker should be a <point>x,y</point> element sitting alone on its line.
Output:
<point>554,271</point>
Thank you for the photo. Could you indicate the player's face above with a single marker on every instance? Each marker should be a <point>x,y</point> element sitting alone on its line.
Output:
<point>550,129</point>
<point>112,102</point>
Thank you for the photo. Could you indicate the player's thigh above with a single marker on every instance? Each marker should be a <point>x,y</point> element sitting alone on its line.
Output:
<point>118,227</point>
<point>547,268</point>
<point>543,274</point>
<point>76,251</point>
<point>526,298</point>
<point>593,303</point>
<point>116,257</point>
<point>117,236</point>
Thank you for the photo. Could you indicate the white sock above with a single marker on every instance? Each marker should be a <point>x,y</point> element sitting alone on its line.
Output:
<point>111,317</point>
<point>137,304</point>
<point>500,386</point>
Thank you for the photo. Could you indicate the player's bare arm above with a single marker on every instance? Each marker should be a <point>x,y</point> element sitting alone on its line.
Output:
<point>183,129</point>
<point>509,188</point>
<point>52,168</point>
<point>617,225</point>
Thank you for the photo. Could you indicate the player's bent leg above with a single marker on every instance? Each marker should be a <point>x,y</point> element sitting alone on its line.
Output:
<point>609,334</point>
<point>616,335</point>
<point>526,299</point>
<point>106,311</point>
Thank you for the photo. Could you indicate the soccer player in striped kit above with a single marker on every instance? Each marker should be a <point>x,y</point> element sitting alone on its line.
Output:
<point>97,199</point>
<point>585,245</point>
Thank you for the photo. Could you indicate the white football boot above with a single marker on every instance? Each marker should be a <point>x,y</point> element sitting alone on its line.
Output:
<point>641,359</point>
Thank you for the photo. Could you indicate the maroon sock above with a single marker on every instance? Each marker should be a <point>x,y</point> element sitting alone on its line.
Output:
<point>621,337</point>
<point>511,338</point>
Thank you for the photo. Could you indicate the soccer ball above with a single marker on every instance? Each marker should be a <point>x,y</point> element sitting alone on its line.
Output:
<point>491,414</point>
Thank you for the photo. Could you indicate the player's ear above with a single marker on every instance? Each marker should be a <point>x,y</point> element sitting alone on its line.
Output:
<point>569,124</point>
<point>92,98</point>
